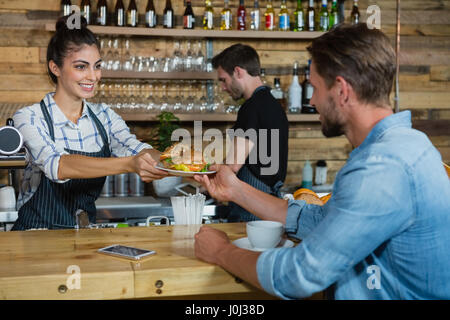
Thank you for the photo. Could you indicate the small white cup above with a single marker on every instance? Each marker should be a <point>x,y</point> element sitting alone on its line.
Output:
<point>264,234</point>
<point>7,198</point>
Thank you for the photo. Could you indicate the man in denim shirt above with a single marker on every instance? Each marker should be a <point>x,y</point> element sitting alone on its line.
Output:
<point>385,232</point>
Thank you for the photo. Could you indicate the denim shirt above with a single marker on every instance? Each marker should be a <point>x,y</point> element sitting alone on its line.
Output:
<point>384,233</point>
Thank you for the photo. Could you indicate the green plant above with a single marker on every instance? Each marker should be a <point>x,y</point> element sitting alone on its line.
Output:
<point>168,123</point>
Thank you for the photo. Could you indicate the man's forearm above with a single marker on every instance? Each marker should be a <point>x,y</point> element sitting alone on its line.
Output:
<point>261,204</point>
<point>241,263</point>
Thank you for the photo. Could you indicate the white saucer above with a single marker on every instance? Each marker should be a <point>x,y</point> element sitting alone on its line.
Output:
<point>244,243</point>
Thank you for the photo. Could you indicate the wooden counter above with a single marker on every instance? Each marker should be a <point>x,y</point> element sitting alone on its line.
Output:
<point>36,264</point>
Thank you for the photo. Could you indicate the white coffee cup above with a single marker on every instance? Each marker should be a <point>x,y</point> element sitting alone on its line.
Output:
<point>264,234</point>
<point>7,198</point>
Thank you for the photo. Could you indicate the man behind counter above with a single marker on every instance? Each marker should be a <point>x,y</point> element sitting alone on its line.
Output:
<point>384,233</point>
<point>238,68</point>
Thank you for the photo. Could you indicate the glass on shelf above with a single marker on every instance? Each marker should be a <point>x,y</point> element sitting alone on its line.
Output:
<point>178,99</point>
<point>127,58</point>
<point>199,58</point>
<point>116,59</point>
<point>177,60</point>
<point>188,57</point>
<point>190,100</point>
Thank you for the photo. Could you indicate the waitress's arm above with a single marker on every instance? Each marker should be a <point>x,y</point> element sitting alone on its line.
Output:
<point>72,166</point>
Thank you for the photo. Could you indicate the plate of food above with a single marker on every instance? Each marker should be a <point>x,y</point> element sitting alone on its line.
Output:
<point>174,161</point>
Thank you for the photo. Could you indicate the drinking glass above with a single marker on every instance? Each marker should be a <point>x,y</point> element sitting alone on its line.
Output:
<point>127,59</point>
<point>190,100</point>
<point>199,58</point>
<point>177,59</point>
<point>188,58</point>
<point>116,60</point>
<point>178,98</point>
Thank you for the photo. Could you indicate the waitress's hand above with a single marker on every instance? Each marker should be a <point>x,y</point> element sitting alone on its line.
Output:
<point>222,185</point>
<point>144,165</point>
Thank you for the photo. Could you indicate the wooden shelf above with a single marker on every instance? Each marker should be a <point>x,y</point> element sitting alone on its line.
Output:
<point>212,117</point>
<point>159,75</point>
<point>198,33</point>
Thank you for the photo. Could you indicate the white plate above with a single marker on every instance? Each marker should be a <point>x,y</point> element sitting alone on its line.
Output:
<point>180,173</point>
<point>244,243</point>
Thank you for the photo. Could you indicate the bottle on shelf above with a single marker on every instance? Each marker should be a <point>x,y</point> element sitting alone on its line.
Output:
<point>269,16</point>
<point>241,16</point>
<point>311,16</point>
<point>86,10</point>
<point>292,21</point>
<point>119,14</point>
<point>317,14</point>
<point>208,16</point>
<point>295,92</point>
<point>66,7</point>
<point>262,76</point>
<point>132,14</point>
<point>334,15</point>
<point>324,17</point>
<point>226,20</point>
<point>307,175</point>
<point>307,92</point>
<point>354,17</point>
<point>168,15</point>
<point>255,17</point>
<point>321,172</point>
<point>299,17</point>
<point>283,17</point>
<point>150,15</point>
<point>278,93</point>
<point>102,13</point>
<point>188,16</point>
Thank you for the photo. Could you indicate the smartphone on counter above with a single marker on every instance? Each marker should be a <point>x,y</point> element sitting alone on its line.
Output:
<point>126,252</point>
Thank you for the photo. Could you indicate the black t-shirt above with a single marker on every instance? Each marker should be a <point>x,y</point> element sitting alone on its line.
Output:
<point>262,111</point>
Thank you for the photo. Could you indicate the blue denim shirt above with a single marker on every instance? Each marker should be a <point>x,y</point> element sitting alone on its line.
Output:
<point>384,233</point>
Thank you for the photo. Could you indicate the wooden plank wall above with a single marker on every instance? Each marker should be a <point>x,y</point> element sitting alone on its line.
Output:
<point>424,69</point>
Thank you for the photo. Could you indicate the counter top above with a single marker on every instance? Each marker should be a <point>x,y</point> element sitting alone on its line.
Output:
<point>39,264</point>
<point>123,208</point>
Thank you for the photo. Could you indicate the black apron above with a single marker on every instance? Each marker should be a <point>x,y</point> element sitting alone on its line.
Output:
<point>239,214</point>
<point>53,205</point>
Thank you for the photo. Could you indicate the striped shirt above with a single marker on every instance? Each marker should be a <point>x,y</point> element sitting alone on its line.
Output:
<point>44,154</point>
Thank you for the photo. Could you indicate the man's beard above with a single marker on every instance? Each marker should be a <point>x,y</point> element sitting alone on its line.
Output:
<point>331,126</point>
<point>236,91</point>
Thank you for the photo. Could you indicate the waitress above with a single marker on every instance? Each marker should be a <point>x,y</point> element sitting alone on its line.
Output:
<point>74,144</point>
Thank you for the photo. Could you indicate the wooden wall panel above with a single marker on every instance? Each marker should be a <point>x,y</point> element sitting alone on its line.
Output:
<point>424,69</point>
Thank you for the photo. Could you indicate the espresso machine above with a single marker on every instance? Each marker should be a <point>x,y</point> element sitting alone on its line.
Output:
<point>12,156</point>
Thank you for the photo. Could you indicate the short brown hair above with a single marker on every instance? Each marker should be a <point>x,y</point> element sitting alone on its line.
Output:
<point>238,55</point>
<point>363,57</point>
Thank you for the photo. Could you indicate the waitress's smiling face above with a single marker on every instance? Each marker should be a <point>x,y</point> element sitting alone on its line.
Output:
<point>80,72</point>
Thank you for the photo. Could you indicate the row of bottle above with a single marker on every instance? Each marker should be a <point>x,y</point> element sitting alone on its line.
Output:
<point>302,19</point>
<point>320,174</point>
<point>298,96</point>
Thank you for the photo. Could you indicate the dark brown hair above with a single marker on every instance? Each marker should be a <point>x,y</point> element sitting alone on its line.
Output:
<point>67,40</point>
<point>363,57</point>
<point>238,55</point>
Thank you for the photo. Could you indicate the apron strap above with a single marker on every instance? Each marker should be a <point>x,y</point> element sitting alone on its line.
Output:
<point>48,120</point>
<point>101,130</point>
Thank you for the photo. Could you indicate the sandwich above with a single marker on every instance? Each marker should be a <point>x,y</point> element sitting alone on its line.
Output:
<point>183,158</point>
